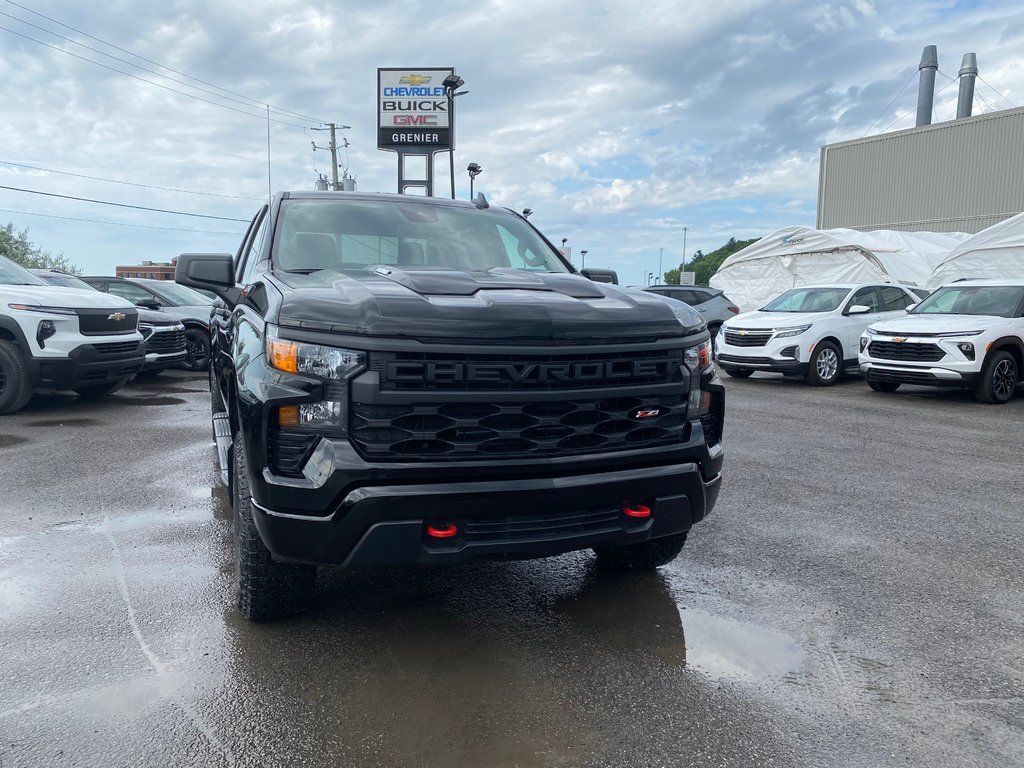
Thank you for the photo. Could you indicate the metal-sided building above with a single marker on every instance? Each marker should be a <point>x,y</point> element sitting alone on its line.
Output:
<point>959,176</point>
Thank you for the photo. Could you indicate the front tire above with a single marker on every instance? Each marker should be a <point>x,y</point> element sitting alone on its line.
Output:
<point>197,350</point>
<point>15,386</point>
<point>884,386</point>
<point>825,365</point>
<point>644,556</point>
<point>264,588</point>
<point>998,379</point>
<point>96,391</point>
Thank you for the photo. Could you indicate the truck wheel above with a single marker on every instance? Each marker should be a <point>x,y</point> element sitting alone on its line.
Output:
<point>265,588</point>
<point>825,365</point>
<point>998,379</point>
<point>884,386</point>
<point>15,387</point>
<point>739,373</point>
<point>197,350</point>
<point>96,391</point>
<point>644,556</point>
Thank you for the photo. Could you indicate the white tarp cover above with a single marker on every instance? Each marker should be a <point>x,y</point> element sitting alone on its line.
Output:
<point>794,256</point>
<point>994,252</point>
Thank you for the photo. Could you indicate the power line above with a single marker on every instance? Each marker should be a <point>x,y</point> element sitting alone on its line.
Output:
<point>144,80</point>
<point>122,205</point>
<point>132,64</point>
<point>128,183</point>
<point>257,102</point>
<point>119,223</point>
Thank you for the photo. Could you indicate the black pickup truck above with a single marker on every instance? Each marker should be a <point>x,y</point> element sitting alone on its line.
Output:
<point>401,380</point>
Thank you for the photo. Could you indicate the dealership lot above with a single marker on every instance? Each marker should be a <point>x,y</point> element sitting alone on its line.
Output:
<point>855,599</point>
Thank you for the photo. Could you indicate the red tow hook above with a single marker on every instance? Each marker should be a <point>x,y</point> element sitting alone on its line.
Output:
<point>635,509</point>
<point>442,531</point>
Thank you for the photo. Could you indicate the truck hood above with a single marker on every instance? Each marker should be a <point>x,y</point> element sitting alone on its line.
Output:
<point>911,325</point>
<point>510,304</point>
<point>761,320</point>
<point>59,296</point>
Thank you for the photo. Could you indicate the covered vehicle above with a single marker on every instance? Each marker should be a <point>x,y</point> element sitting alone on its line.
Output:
<point>994,253</point>
<point>793,257</point>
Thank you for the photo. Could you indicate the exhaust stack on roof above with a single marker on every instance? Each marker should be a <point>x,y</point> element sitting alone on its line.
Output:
<point>926,91</point>
<point>968,71</point>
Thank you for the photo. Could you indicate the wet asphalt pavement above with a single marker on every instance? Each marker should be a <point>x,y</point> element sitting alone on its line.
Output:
<point>856,599</point>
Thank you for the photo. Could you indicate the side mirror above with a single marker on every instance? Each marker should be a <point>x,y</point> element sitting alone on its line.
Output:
<point>858,309</point>
<point>209,271</point>
<point>911,307</point>
<point>148,304</point>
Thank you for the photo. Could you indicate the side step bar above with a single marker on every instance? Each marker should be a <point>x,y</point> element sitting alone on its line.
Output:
<point>222,436</point>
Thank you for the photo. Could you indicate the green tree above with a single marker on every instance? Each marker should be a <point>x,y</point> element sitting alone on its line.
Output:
<point>18,248</point>
<point>706,264</point>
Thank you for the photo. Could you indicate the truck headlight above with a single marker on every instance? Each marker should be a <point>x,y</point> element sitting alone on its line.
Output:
<point>313,359</point>
<point>47,310</point>
<point>697,359</point>
<point>785,333</point>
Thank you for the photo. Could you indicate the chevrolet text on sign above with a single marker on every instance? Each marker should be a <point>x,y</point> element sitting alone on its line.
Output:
<point>412,109</point>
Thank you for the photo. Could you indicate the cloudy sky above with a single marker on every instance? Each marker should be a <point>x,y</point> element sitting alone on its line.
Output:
<point>618,123</point>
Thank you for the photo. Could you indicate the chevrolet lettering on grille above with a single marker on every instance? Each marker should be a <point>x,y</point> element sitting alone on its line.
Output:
<point>527,372</point>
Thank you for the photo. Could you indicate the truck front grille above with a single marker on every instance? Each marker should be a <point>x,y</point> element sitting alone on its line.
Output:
<point>551,525</point>
<point>107,322</point>
<point>117,348</point>
<point>891,350</point>
<point>470,430</point>
<point>164,342</point>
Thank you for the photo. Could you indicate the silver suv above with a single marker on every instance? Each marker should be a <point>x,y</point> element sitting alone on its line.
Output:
<point>713,305</point>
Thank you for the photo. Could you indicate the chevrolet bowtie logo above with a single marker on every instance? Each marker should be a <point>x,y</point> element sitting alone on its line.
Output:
<point>117,317</point>
<point>415,80</point>
<point>743,333</point>
<point>899,339</point>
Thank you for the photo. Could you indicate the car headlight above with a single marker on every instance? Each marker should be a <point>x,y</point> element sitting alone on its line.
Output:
<point>39,308</point>
<point>870,332</point>
<point>784,333</point>
<point>314,359</point>
<point>697,359</point>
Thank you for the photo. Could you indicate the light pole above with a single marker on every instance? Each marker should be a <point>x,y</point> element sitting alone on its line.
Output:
<point>661,252</point>
<point>650,276</point>
<point>684,244</point>
<point>564,241</point>
<point>474,170</point>
<point>451,84</point>
<point>527,212</point>
<point>583,257</point>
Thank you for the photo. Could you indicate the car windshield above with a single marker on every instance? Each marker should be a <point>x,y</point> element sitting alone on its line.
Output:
<point>12,274</point>
<point>353,235</point>
<point>67,281</point>
<point>990,300</point>
<point>179,294</point>
<point>808,300</point>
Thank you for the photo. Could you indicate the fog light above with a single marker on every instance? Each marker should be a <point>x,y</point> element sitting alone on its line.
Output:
<point>45,331</point>
<point>698,404</point>
<point>967,348</point>
<point>793,352</point>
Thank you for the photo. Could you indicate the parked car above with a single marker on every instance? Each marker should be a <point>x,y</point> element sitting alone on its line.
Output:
<point>176,301</point>
<point>406,380</point>
<point>53,337</point>
<point>165,337</point>
<point>811,332</point>
<point>967,335</point>
<point>713,305</point>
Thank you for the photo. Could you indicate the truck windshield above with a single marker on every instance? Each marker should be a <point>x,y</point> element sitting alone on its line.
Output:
<point>990,300</point>
<point>12,274</point>
<point>355,234</point>
<point>808,300</point>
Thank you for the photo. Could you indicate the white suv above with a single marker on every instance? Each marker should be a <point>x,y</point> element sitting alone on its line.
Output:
<point>810,332</point>
<point>62,338</point>
<point>968,335</point>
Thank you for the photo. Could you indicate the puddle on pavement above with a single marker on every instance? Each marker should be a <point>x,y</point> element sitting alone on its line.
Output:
<point>721,647</point>
<point>6,441</point>
<point>62,423</point>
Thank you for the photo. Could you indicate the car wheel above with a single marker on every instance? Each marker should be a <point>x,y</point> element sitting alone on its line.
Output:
<point>96,391</point>
<point>998,379</point>
<point>264,588</point>
<point>644,556</point>
<point>15,387</point>
<point>739,373</point>
<point>884,386</point>
<point>197,350</point>
<point>825,365</point>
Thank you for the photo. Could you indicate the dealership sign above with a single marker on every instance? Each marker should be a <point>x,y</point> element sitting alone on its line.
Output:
<point>412,109</point>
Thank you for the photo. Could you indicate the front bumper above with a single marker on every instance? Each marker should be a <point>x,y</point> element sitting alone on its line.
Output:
<point>87,365</point>
<point>511,519</point>
<point>928,376</point>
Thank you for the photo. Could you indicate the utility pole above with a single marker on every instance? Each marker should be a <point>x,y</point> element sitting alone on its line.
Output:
<point>334,159</point>
<point>684,246</point>
<point>661,251</point>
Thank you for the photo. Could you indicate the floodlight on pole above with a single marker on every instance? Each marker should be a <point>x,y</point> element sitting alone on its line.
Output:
<point>451,84</point>
<point>474,170</point>
<point>583,259</point>
<point>527,212</point>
